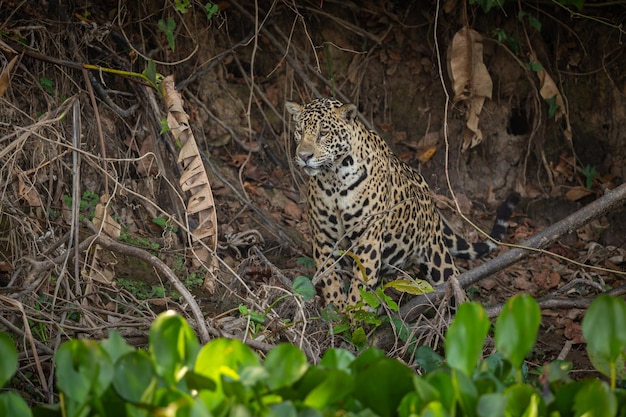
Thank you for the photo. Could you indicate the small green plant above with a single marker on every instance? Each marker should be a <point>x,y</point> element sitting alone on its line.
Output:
<point>48,85</point>
<point>590,174</point>
<point>140,289</point>
<point>139,241</point>
<point>182,6</point>
<point>211,10</point>
<point>165,224</point>
<point>87,205</point>
<point>168,26</point>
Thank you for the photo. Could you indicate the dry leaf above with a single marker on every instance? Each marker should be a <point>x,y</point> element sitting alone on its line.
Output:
<point>548,89</point>
<point>6,75</point>
<point>292,210</point>
<point>195,180</point>
<point>470,79</point>
<point>577,193</point>
<point>108,225</point>
<point>424,155</point>
<point>147,165</point>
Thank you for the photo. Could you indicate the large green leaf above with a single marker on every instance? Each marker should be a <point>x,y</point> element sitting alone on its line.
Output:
<point>12,405</point>
<point>82,368</point>
<point>331,390</point>
<point>135,377</point>
<point>173,345</point>
<point>285,364</point>
<point>595,399</point>
<point>337,359</point>
<point>116,346</point>
<point>222,358</point>
<point>466,336</point>
<point>8,358</point>
<point>381,385</point>
<point>517,327</point>
<point>604,329</point>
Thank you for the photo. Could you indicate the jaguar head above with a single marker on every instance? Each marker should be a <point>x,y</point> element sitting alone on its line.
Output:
<point>322,131</point>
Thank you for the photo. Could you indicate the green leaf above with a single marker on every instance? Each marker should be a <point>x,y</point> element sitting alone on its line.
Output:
<point>165,127</point>
<point>285,364</point>
<point>517,327</point>
<point>224,357</point>
<point>182,6</point>
<point>604,330</point>
<point>369,298</point>
<point>302,285</point>
<point>382,384</point>
<point>211,10</point>
<point>414,287</point>
<point>523,400</point>
<point>11,404</point>
<point>173,345</point>
<point>595,399</point>
<point>167,27</point>
<point>82,368</point>
<point>337,359</point>
<point>439,387</point>
<point>386,299</point>
<point>490,405</point>
<point>337,385</point>
<point>359,338</point>
<point>466,336</point>
<point>427,358</point>
<point>135,377</point>
<point>115,346</point>
<point>8,359</point>
<point>552,106</point>
<point>306,262</point>
<point>534,66</point>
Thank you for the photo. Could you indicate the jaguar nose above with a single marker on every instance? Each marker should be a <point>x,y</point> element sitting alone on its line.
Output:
<point>305,156</point>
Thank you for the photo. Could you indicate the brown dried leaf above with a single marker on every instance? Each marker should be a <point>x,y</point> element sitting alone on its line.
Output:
<point>147,165</point>
<point>6,75</point>
<point>194,178</point>
<point>292,210</point>
<point>102,219</point>
<point>471,80</point>
<point>577,193</point>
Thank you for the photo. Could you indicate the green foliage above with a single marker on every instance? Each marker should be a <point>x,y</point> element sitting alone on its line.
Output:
<point>165,224</point>
<point>590,174</point>
<point>182,6</point>
<point>605,332</point>
<point>175,376</point>
<point>48,85</point>
<point>211,10</point>
<point>168,26</point>
<point>139,241</point>
<point>302,285</point>
<point>87,205</point>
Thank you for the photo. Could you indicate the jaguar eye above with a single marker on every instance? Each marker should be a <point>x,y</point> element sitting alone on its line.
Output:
<point>321,136</point>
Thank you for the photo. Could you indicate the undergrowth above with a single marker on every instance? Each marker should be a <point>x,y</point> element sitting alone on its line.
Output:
<point>176,376</point>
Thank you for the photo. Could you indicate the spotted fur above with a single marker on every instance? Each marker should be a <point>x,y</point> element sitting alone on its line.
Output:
<point>365,200</point>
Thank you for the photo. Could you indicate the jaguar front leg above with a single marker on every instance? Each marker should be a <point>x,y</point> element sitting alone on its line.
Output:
<point>366,272</point>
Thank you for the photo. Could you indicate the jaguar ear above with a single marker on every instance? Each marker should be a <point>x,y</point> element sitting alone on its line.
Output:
<point>347,112</point>
<point>294,109</point>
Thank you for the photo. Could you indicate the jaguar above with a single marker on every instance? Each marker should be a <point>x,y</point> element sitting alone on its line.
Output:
<point>363,201</point>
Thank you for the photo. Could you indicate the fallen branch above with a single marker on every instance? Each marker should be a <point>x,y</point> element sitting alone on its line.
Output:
<point>601,206</point>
